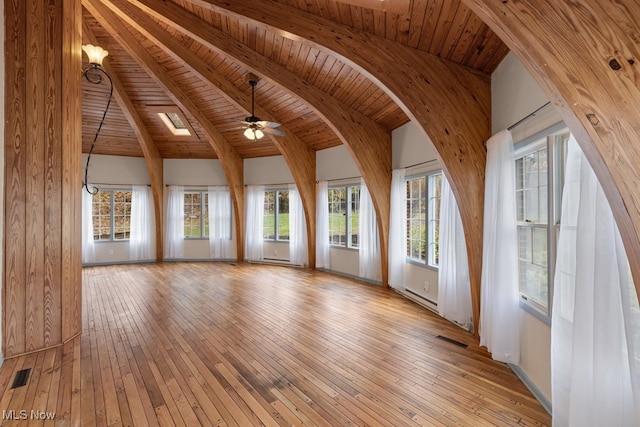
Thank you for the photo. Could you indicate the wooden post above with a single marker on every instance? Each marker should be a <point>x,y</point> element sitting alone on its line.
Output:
<point>42,275</point>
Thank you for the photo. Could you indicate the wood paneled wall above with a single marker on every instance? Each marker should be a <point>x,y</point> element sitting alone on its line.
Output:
<point>42,245</point>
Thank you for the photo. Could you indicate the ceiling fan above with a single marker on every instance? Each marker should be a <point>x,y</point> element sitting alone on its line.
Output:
<point>255,128</point>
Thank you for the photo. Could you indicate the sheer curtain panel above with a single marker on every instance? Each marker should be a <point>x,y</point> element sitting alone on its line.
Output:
<point>219,203</point>
<point>174,240</point>
<point>140,228</point>
<point>88,246</point>
<point>499,300</point>
<point>368,238</point>
<point>454,289</point>
<point>254,230</point>
<point>398,230</point>
<point>297,229</point>
<point>595,328</point>
<point>322,226</point>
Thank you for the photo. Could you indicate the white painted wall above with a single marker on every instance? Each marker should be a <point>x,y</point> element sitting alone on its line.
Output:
<point>115,172</point>
<point>515,94</point>
<point>272,172</point>
<point>196,174</point>
<point>333,165</point>
<point>413,150</point>
<point>267,171</point>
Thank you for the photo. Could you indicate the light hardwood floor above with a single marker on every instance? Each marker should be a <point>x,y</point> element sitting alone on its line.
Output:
<point>220,344</point>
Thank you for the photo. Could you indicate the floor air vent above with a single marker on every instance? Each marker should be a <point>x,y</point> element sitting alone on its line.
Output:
<point>452,341</point>
<point>21,378</point>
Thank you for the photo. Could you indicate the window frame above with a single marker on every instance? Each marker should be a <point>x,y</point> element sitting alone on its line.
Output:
<point>204,215</point>
<point>112,222</point>
<point>431,220</point>
<point>554,139</point>
<point>276,213</point>
<point>349,216</point>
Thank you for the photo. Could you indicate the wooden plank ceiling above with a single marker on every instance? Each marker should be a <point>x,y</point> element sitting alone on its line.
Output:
<point>444,28</point>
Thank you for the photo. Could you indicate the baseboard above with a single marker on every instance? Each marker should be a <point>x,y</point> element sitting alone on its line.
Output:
<point>546,404</point>
<point>351,276</point>
<point>418,299</point>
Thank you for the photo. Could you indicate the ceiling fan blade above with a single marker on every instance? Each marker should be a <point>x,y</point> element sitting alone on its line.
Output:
<point>272,131</point>
<point>266,124</point>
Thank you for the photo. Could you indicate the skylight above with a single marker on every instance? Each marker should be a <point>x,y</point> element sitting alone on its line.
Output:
<point>175,123</point>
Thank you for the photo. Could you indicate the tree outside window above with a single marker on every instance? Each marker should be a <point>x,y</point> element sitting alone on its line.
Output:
<point>111,212</point>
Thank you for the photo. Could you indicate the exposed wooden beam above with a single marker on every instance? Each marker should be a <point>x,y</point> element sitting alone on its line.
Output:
<point>585,56</point>
<point>229,158</point>
<point>151,155</point>
<point>450,103</point>
<point>368,143</point>
<point>300,158</point>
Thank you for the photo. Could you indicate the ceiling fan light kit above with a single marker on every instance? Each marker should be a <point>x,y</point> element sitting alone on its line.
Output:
<point>255,127</point>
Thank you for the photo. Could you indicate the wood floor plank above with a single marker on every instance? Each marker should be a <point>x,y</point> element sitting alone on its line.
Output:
<point>188,344</point>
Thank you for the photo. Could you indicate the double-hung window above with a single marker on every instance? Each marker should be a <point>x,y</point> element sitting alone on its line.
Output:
<point>196,215</point>
<point>423,219</point>
<point>344,216</point>
<point>539,180</point>
<point>276,215</point>
<point>111,212</point>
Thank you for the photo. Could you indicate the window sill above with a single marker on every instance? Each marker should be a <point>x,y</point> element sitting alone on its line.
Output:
<point>344,248</point>
<point>421,264</point>
<point>111,241</point>
<point>543,317</point>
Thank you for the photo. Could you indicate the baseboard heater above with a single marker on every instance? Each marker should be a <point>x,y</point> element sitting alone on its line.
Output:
<point>421,297</point>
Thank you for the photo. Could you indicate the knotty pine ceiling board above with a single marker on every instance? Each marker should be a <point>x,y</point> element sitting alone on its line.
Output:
<point>441,27</point>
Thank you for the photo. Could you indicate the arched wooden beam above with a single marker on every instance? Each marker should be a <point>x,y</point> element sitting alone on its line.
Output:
<point>368,143</point>
<point>300,158</point>
<point>231,161</point>
<point>450,103</point>
<point>151,154</point>
<point>585,56</point>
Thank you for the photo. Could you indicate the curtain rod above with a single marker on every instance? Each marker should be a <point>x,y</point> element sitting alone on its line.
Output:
<point>340,179</point>
<point>421,163</point>
<point>196,185</point>
<point>527,117</point>
<point>273,185</point>
<point>104,184</point>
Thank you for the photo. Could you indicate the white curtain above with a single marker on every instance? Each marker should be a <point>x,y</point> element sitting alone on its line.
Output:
<point>454,289</point>
<point>174,241</point>
<point>219,203</point>
<point>369,252</point>
<point>322,225</point>
<point>297,229</point>
<point>499,330</point>
<point>595,331</point>
<point>140,226</point>
<point>254,234</point>
<point>88,246</point>
<point>398,230</point>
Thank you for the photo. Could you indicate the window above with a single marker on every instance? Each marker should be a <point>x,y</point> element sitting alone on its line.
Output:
<point>111,215</point>
<point>196,215</point>
<point>344,216</point>
<point>539,181</point>
<point>276,215</point>
<point>423,219</point>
